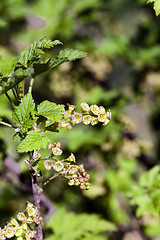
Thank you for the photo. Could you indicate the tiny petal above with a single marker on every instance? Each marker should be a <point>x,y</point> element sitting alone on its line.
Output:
<point>48,165</point>
<point>56,151</point>
<point>94,109</point>
<point>87,119</point>
<point>85,107</point>
<point>58,166</point>
<point>76,118</point>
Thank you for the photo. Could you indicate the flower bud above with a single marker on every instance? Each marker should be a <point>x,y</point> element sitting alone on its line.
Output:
<point>71,158</point>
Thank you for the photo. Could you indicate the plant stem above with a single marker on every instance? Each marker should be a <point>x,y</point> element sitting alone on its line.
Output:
<point>51,178</point>
<point>36,199</point>
<point>31,85</point>
<point>6,124</point>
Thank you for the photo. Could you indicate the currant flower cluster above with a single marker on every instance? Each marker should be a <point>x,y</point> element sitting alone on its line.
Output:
<point>22,227</point>
<point>76,175</point>
<point>88,115</point>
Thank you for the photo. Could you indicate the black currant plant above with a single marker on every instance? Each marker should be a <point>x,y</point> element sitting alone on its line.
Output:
<point>31,123</point>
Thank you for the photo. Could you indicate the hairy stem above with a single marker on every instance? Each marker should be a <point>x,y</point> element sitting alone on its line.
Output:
<point>36,199</point>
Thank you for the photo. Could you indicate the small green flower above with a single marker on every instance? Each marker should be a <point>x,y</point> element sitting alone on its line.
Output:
<point>36,155</point>
<point>32,211</point>
<point>9,232</point>
<point>102,117</point>
<point>76,118</point>
<point>21,216</point>
<point>72,169</point>
<point>48,164</point>
<point>58,166</point>
<point>56,151</point>
<point>87,119</point>
<point>94,109</point>
<point>85,107</point>
<point>18,231</point>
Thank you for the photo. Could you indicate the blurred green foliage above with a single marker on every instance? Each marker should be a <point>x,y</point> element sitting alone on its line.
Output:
<point>121,72</point>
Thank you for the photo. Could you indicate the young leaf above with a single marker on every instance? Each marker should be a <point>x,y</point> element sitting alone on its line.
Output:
<point>50,110</point>
<point>71,54</point>
<point>23,114</point>
<point>34,53</point>
<point>33,141</point>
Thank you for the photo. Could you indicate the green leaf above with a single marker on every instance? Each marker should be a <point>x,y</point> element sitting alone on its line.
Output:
<point>150,178</point>
<point>23,114</point>
<point>0,119</point>
<point>50,110</point>
<point>7,64</point>
<point>72,54</point>
<point>7,83</point>
<point>156,6</point>
<point>33,141</point>
<point>34,53</point>
<point>68,225</point>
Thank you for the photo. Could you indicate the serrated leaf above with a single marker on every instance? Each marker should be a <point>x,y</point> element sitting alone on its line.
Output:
<point>33,141</point>
<point>23,114</point>
<point>36,50</point>
<point>72,54</point>
<point>50,110</point>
